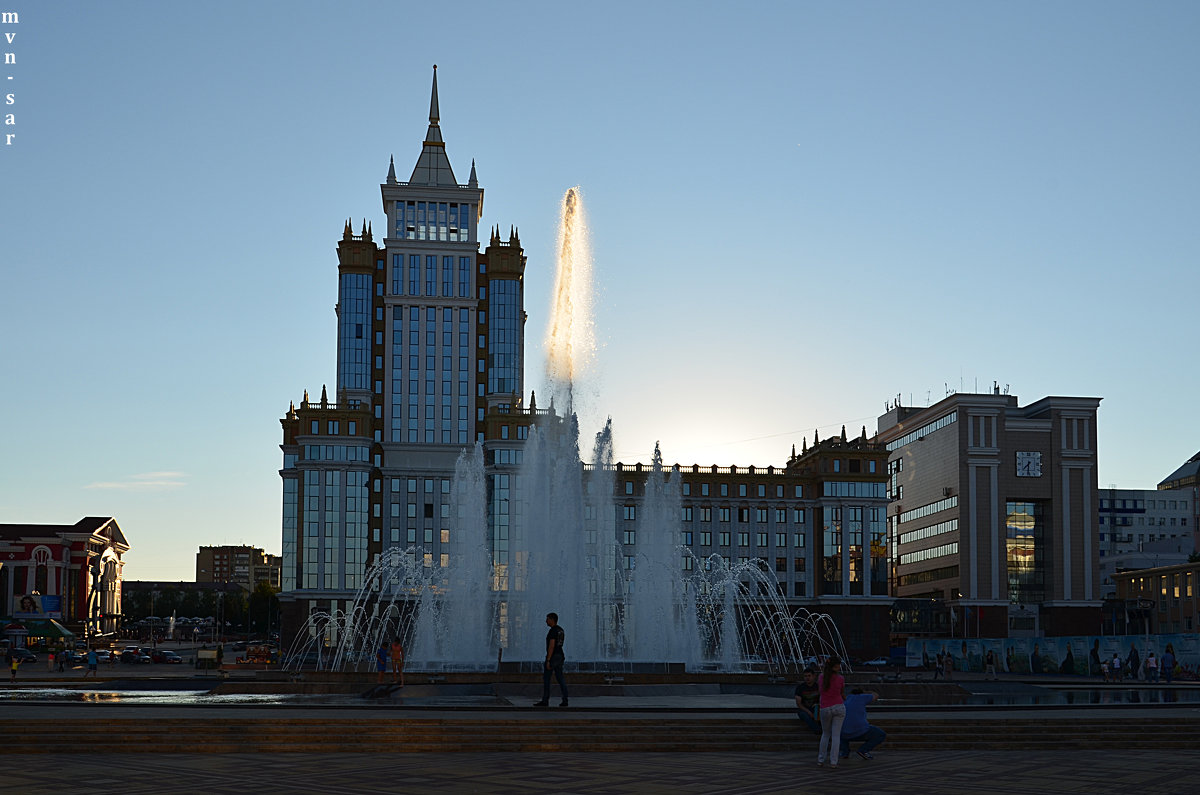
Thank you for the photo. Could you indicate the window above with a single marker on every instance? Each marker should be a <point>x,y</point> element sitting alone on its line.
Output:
<point>723,514</point>
<point>761,539</point>
<point>686,514</point>
<point>723,538</point>
<point>743,539</point>
<point>629,512</point>
<point>781,540</point>
<point>705,538</point>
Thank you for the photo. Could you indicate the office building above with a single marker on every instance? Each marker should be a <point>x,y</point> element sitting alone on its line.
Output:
<point>430,359</point>
<point>995,512</point>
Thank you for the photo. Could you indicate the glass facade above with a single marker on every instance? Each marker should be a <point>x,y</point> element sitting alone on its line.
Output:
<point>1026,525</point>
<point>354,330</point>
<point>444,221</point>
<point>504,337</point>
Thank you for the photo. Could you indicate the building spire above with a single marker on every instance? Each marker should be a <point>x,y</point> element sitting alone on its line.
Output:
<point>433,167</point>
<point>473,181</point>
<point>391,177</point>
<point>434,115</point>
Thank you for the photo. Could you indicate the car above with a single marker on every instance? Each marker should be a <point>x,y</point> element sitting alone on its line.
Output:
<point>103,656</point>
<point>165,656</point>
<point>23,655</point>
<point>879,662</point>
<point>134,657</point>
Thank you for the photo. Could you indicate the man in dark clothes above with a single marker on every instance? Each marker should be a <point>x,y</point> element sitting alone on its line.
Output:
<point>554,661</point>
<point>808,698</point>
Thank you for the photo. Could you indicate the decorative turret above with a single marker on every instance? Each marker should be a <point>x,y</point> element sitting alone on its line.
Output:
<point>347,233</point>
<point>304,402</point>
<point>843,433</point>
<point>324,398</point>
<point>391,177</point>
<point>473,181</point>
<point>816,438</point>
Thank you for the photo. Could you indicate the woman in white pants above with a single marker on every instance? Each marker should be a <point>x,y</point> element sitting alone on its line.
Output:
<point>833,711</point>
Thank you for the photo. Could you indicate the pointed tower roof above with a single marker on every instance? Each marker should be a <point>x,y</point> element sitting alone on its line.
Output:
<point>391,177</point>
<point>433,167</point>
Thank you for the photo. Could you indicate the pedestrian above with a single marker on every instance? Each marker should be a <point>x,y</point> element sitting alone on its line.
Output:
<point>1104,669</point>
<point>1095,655</point>
<point>398,662</point>
<point>938,664</point>
<point>1151,668</point>
<point>856,727</point>
<point>833,711</point>
<point>62,660</point>
<point>50,661</point>
<point>381,662</point>
<point>1114,667</point>
<point>948,671</point>
<point>92,659</point>
<point>1167,664</point>
<point>989,662</point>
<point>808,701</point>
<point>13,664</point>
<point>554,661</point>
<point>1134,662</point>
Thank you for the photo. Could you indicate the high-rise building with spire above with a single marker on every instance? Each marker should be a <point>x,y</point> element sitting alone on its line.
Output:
<point>429,361</point>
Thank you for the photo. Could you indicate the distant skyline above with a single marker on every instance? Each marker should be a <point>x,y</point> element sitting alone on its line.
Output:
<point>798,211</point>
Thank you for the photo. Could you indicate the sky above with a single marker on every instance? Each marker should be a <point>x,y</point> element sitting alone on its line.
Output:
<point>798,211</point>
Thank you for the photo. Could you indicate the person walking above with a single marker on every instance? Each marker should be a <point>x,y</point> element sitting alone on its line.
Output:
<point>989,662</point>
<point>808,699</point>
<point>92,660</point>
<point>833,711</point>
<point>1114,667</point>
<point>13,664</point>
<point>856,726</point>
<point>398,662</point>
<point>554,661</point>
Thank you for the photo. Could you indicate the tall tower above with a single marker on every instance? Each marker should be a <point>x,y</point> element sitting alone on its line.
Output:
<point>430,356</point>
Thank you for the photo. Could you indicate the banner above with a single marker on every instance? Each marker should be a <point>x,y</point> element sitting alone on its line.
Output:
<point>1074,655</point>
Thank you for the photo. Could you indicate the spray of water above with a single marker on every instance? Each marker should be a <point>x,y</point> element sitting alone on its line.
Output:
<point>570,341</point>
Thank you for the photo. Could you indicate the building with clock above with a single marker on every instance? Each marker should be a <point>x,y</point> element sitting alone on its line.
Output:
<point>994,512</point>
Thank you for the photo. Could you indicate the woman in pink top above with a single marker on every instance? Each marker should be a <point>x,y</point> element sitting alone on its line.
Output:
<point>833,711</point>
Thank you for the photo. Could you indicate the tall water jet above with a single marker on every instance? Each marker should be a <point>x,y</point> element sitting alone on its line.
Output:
<point>570,342</point>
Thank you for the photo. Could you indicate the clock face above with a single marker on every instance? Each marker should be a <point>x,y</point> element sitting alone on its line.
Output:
<point>1029,465</point>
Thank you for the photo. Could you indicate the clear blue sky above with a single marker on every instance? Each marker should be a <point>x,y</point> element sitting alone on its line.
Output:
<point>798,211</point>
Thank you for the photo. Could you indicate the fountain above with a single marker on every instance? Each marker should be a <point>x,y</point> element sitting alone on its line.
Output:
<point>622,605</point>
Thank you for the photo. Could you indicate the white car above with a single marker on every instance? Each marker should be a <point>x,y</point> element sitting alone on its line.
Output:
<point>879,661</point>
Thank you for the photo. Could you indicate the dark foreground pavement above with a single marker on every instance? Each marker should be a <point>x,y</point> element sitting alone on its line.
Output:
<point>1090,772</point>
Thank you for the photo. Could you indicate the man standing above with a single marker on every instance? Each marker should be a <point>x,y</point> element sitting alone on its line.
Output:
<point>92,660</point>
<point>989,661</point>
<point>808,697</point>
<point>1167,663</point>
<point>856,727</point>
<point>554,661</point>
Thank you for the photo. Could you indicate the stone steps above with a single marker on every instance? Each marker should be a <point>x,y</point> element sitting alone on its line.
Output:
<point>557,732</point>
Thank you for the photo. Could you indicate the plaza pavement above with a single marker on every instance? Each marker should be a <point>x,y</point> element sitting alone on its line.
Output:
<point>890,773</point>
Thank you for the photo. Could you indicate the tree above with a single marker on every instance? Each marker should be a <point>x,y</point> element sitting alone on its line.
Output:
<point>263,609</point>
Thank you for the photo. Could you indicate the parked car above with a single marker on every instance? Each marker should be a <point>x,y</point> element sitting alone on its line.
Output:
<point>103,656</point>
<point>165,656</point>
<point>23,655</point>
<point>879,661</point>
<point>134,657</point>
